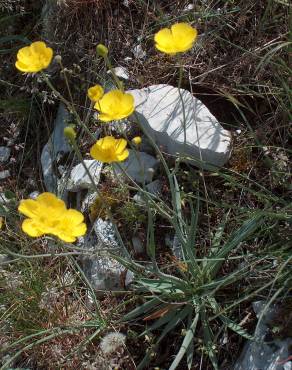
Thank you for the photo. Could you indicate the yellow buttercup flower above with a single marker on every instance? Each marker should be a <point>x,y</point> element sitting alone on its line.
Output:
<point>34,58</point>
<point>48,215</point>
<point>95,93</point>
<point>177,39</point>
<point>115,105</point>
<point>109,149</point>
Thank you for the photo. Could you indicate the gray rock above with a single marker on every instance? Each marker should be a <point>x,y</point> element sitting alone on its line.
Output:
<point>56,144</point>
<point>139,166</point>
<point>79,179</point>
<point>4,174</point>
<point>175,246</point>
<point>137,245</point>
<point>88,200</point>
<point>106,235</point>
<point>202,138</point>
<point>4,153</point>
<point>103,272</point>
<point>154,187</point>
<point>260,355</point>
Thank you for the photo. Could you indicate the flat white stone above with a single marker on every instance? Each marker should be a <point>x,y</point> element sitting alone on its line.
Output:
<point>200,137</point>
<point>139,166</point>
<point>79,178</point>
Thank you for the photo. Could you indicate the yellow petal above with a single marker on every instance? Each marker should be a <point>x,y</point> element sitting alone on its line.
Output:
<point>106,142</point>
<point>184,32</point>
<point>22,67</point>
<point>120,145</point>
<point>65,237</point>
<point>24,55</point>
<point>37,47</point>
<point>32,228</point>
<point>95,93</point>
<point>121,157</point>
<point>48,56</point>
<point>73,217</point>
<point>28,207</point>
<point>127,102</point>
<point>104,117</point>
<point>50,200</point>
<point>163,37</point>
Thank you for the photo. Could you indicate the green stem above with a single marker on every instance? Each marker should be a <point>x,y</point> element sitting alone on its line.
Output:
<point>69,106</point>
<point>107,206</point>
<point>115,77</point>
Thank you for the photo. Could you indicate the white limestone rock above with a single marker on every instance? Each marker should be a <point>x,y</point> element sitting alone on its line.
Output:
<point>79,178</point>
<point>139,166</point>
<point>160,111</point>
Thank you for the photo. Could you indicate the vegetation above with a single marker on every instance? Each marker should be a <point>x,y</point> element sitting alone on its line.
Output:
<point>232,224</point>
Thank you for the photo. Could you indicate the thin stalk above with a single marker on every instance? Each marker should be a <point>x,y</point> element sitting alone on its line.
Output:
<point>70,107</point>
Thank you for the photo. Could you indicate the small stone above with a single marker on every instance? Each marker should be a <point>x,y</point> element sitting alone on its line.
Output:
<point>120,72</point>
<point>154,187</point>
<point>79,178</point>
<point>199,139</point>
<point>4,174</point>
<point>4,153</point>
<point>137,245</point>
<point>34,194</point>
<point>189,7</point>
<point>138,52</point>
<point>175,246</point>
<point>139,166</point>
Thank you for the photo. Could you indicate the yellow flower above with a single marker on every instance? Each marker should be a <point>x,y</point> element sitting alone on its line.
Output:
<point>34,58</point>
<point>48,215</point>
<point>95,93</point>
<point>115,105</point>
<point>137,140</point>
<point>108,150</point>
<point>177,39</point>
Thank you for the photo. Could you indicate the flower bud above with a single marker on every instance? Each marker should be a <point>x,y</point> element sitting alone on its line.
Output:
<point>70,133</point>
<point>137,140</point>
<point>58,58</point>
<point>102,50</point>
